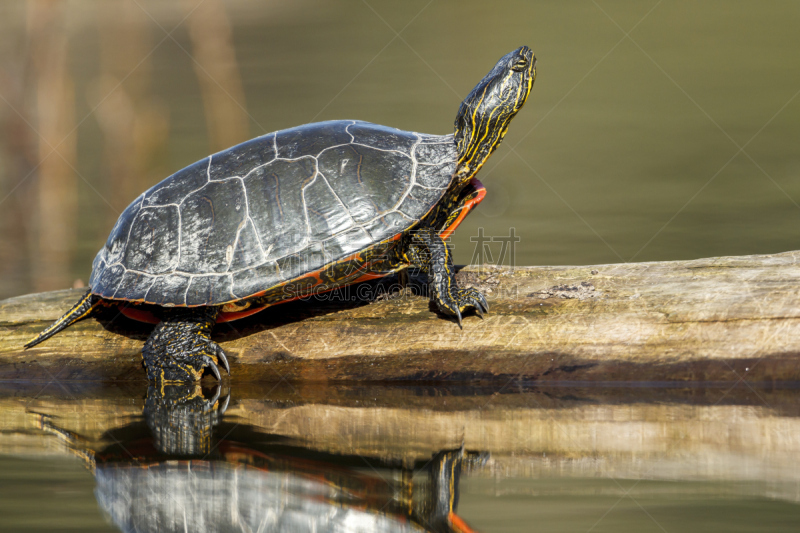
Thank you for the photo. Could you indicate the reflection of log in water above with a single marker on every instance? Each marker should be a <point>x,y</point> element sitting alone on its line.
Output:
<point>179,477</point>
<point>739,435</point>
<point>56,212</point>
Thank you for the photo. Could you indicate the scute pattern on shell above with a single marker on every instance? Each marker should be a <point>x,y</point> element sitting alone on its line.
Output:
<point>231,497</point>
<point>270,210</point>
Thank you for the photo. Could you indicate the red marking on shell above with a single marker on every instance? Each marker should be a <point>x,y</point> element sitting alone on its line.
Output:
<point>458,523</point>
<point>236,315</point>
<point>140,315</point>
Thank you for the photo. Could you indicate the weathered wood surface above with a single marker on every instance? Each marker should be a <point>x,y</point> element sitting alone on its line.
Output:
<point>718,319</point>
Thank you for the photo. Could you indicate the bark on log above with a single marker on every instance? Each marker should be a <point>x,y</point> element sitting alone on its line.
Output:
<point>720,319</point>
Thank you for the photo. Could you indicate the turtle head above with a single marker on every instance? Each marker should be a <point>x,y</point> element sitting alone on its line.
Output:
<point>485,114</point>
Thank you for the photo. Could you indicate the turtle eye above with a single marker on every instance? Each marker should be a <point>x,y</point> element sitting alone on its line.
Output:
<point>520,65</point>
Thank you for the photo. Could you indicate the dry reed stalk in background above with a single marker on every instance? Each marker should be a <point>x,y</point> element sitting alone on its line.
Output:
<point>135,123</point>
<point>217,72</point>
<point>56,213</point>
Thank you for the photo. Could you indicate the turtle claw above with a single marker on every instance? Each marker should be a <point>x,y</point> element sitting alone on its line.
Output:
<point>459,301</point>
<point>484,303</point>
<point>222,358</point>
<point>213,401</point>
<point>212,365</point>
<point>225,403</point>
<point>216,395</point>
<point>472,298</point>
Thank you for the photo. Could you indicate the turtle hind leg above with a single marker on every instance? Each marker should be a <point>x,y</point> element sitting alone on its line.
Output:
<point>180,346</point>
<point>429,252</point>
<point>84,308</point>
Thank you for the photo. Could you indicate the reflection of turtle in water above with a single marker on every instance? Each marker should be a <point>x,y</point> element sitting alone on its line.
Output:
<point>177,477</point>
<point>295,213</point>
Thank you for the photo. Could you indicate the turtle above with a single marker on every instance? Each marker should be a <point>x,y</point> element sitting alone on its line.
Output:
<point>295,213</point>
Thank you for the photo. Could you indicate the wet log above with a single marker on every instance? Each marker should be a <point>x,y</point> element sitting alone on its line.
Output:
<point>725,319</point>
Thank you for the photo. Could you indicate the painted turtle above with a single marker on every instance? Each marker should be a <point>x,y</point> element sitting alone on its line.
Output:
<point>293,213</point>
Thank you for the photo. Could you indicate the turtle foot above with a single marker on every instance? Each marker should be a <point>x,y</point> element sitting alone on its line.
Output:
<point>429,251</point>
<point>179,349</point>
<point>456,302</point>
<point>182,417</point>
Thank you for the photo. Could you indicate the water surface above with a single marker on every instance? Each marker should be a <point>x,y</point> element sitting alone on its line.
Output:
<point>515,458</point>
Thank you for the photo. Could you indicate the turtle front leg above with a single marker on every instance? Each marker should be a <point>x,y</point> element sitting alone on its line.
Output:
<point>430,253</point>
<point>180,346</point>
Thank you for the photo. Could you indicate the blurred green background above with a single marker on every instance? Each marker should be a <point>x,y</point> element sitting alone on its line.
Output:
<point>656,130</point>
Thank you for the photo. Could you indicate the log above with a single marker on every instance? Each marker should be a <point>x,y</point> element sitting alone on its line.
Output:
<point>724,319</point>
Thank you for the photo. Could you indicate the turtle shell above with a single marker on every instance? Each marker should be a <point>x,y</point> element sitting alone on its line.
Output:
<point>223,496</point>
<point>271,210</point>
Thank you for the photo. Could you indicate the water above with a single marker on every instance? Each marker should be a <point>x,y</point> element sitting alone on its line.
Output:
<point>678,141</point>
<point>628,148</point>
<point>526,458</point>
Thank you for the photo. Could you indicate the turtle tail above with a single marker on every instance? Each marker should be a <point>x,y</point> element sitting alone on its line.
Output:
<point>85,306</point>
